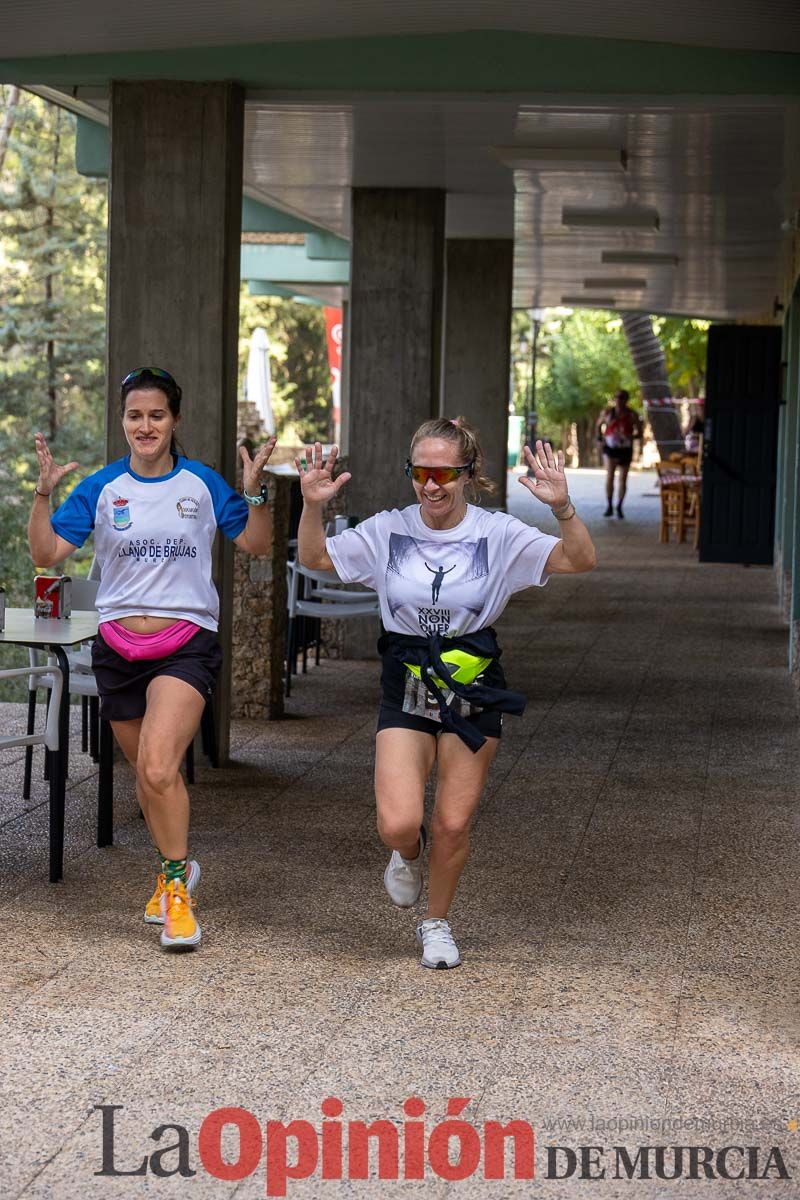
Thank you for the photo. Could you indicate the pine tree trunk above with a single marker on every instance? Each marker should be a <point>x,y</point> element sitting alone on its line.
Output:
<point>8,122</point>
<point>52,390</point>
<point>587,451</point>
<point>647,355</point>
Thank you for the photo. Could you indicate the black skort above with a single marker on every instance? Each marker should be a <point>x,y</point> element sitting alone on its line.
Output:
<point>393,688</point>
<point>619,454</point>
<point>122,685</point>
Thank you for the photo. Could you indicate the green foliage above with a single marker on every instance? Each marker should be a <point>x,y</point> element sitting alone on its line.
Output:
<point>52,317</point>
<point>684,343</point>
<point>301,389</point>
<point>585,360</point>
<point>583,357</point>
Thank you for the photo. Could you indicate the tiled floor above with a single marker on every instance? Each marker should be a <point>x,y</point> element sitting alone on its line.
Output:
<point>628,919</point>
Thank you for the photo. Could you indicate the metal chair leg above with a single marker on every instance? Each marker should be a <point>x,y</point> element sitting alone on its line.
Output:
<point>208,734</point>
<point>94,728</point>
<point>26,782</point>
<point>290,635</point>
<point>46,771</point>
<point>105,787</point>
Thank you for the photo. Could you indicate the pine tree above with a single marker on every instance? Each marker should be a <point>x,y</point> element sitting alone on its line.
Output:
<point>52,314</point>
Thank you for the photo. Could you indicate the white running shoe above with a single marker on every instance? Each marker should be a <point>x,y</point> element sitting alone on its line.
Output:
<point>436,942</point>
<point>403,879</point>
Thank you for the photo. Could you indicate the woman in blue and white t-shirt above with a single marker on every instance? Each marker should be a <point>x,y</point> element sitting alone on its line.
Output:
<point>444,570</point>
<point>155,515</point>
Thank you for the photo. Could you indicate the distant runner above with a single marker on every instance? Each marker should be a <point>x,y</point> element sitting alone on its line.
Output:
<point>616,430</point>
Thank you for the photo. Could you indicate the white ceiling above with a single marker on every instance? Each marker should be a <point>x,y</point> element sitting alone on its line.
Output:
<point>85,26</point>
<point>722,175</point>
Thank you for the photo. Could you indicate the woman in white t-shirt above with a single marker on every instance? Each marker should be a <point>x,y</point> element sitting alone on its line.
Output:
<point>444,570</point>
<point>154,515</point>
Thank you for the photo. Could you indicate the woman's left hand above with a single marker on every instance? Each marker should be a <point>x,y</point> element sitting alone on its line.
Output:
<point>252,467</point>
<point>549,483</point>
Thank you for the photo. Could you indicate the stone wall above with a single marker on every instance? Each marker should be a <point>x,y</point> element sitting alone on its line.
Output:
<point>259,617</point>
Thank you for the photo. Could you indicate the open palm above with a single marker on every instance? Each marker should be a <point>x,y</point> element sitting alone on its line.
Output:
<point>50,473</point>
<point>316,475</point>
<point>252,467</point>
<point>549,483</point>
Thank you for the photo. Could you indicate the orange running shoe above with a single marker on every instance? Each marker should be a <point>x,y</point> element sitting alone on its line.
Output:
<point>180,926</point>
<point>153,912</point>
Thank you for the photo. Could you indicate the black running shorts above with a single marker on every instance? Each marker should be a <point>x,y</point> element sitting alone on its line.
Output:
<point>122,685</point>
<point>619,454</point>
<point>393,688</point>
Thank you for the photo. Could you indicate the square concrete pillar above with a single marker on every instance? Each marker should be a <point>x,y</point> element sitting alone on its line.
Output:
<point>477,345</point>
<point>175,205</point>
<point>396,289</point>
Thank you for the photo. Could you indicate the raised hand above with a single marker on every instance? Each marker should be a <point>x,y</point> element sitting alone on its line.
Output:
<point>549,483</point>
<point>252,467</point>
<point>316,475</point>
<point>50,474</point>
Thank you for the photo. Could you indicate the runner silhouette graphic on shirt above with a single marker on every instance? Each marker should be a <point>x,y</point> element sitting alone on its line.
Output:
<point>436,582</point>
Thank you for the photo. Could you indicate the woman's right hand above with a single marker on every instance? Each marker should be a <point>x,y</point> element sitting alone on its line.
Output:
<point>50,474</point>
<point>316,475</point>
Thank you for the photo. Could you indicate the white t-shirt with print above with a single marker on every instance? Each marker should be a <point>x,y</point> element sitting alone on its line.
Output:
<point>445,581</point>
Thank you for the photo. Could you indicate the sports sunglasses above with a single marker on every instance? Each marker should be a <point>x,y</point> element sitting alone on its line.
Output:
<point>439,475</point>
<point>157,372</point>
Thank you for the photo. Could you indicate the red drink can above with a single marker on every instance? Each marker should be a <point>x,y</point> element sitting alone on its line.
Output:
<point>53,596</point>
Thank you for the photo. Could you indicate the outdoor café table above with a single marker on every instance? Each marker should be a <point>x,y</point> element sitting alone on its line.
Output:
<point>22,628</point>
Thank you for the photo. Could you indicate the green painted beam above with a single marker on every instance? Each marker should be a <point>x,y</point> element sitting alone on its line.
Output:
<point>290,265</point>
<point>92,155</point>
<point>262,218</point>
<point>476,61</point>
<point>329,246</point>
<point>281,293</point>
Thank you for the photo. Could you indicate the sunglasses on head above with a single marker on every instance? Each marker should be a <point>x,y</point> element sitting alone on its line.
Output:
<point>439,475</point>
<point>156,372</point>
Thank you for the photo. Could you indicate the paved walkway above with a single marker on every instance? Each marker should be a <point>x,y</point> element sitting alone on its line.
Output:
<point>628,919</point>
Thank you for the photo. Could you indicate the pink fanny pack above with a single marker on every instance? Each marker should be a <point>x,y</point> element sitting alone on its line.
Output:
<point>135,646</point>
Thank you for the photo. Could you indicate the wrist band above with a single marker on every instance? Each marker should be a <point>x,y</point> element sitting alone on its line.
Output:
<point>562,513</point>
<point>44,495</point>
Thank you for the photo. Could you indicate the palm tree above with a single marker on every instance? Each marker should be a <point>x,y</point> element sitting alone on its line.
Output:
<point>647,355</point>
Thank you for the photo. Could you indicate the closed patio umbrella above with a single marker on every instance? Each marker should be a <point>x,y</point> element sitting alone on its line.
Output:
<point>257,383</point>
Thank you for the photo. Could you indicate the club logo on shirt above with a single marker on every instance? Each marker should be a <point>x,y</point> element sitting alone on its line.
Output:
<point>188,507</point>
<point>122,514</point>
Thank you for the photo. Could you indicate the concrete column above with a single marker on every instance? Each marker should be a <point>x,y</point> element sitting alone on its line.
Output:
<point>173,273</point>
<point>477,345</point>
<point>396,289</point>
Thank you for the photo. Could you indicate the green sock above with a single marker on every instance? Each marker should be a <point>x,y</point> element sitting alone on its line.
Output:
<point>174,868</point>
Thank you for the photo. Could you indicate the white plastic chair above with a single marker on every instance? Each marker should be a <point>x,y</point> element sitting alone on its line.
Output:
<point>49,739</point>
<point>320,595</point>
<point>81,683</point>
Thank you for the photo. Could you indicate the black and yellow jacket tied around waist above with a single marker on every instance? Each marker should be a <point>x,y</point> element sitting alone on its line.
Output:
<point>472,652</point>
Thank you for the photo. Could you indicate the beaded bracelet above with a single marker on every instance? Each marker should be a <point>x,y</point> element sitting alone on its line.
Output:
<point>562,513</point>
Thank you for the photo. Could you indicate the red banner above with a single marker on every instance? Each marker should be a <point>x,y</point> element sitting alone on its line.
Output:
<point>333,330</point>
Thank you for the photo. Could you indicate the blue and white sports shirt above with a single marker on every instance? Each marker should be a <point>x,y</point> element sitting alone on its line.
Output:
<point>153,538</point>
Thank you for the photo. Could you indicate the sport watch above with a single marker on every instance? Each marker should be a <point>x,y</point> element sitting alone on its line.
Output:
<point>261,498</point>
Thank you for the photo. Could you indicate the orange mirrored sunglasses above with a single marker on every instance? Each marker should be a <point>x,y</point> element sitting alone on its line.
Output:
<point>439,475</point>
